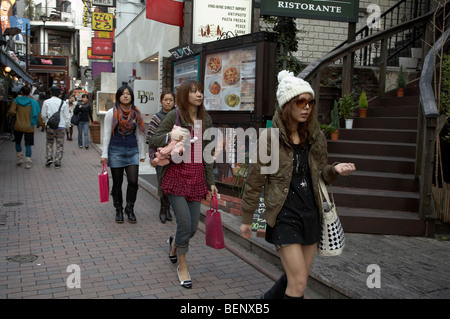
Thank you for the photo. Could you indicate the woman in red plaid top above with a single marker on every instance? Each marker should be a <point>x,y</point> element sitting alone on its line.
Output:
<point>185,182</point>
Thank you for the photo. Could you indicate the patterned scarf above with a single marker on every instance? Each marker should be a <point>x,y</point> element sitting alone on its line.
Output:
<point>126,119</point>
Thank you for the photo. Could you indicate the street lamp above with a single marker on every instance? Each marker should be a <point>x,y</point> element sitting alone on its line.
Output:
<point>44,19</point>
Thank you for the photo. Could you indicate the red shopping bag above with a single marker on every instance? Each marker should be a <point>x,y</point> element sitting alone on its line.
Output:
<point>214,231</point>
<point>103,184</point>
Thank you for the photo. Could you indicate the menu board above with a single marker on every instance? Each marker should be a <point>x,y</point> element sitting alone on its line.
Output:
<point>230,80</point>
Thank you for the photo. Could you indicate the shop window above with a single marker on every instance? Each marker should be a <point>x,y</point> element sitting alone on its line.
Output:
<point>59,45</point>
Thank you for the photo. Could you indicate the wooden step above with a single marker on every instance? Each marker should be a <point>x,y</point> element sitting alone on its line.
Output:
<point>373,148</point>
<point>375,163</point>
<point>392,123</point>
<point>387,222</point>
<point>379,135</point>
<point>376,199</point>
<point>379,180</point>
<point>392,111</point>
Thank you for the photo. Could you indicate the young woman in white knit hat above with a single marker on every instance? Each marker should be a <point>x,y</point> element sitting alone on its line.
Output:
<point>291,194</point>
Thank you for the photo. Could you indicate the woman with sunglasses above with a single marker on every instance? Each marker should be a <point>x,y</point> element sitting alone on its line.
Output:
<point>291,195</point>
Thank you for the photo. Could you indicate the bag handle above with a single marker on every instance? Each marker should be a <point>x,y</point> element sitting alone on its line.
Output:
<point>105,169</point>
<point>214,203</point>
<point>323,192</point>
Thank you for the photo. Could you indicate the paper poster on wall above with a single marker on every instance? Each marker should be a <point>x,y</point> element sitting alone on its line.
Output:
<point>146,96</point>
<point>230,80</point>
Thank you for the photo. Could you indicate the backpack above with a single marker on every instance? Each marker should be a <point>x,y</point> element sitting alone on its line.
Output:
<point>53,121</point>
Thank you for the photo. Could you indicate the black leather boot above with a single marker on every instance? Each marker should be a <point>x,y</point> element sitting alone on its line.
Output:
<point>129,210</point>
<point>117,200</point>
<point>119,212</point>
<point>278,289</point>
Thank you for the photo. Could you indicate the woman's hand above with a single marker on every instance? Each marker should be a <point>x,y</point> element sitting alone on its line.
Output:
<point>103,160</point>
<point>214,189</point>
<point>142,160</point>
<point>344,169</point>
<point>246,231</point>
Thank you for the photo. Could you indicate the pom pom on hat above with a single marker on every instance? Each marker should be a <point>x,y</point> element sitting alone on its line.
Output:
<point>290,86</point>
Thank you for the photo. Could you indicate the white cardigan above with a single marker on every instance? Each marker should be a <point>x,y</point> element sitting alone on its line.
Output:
<point>107,131</point>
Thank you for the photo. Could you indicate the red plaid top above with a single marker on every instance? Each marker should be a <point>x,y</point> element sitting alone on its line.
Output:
<point>186,179</point>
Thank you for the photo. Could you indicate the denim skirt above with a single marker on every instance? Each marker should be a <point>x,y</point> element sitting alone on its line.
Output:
<point>120,156</point>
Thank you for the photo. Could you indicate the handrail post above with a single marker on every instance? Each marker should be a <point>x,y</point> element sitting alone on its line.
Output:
<point>383,67</point>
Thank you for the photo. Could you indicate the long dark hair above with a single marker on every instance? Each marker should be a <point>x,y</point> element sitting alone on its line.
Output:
<point>302,128</point>
<point>183,101</point>
<point>120,92</point>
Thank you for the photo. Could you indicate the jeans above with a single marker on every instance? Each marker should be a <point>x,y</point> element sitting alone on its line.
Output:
<point>187,214</point>
<point>83,128</point>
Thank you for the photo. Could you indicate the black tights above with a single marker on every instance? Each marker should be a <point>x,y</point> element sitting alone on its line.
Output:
<point>132,172</point>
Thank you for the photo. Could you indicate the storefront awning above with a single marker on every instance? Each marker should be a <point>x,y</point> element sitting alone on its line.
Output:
<point>5,59</point>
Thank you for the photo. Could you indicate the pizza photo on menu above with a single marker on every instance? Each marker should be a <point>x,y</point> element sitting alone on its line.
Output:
<point>214,64</point>
<point>231,76</point>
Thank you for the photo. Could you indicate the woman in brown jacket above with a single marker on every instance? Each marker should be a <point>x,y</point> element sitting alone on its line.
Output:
<point>291,193</point>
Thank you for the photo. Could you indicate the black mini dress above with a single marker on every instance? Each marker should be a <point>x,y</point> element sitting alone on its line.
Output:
<point>298,221</point>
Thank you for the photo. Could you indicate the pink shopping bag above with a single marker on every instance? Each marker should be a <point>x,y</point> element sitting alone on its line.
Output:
<point>103,184</point>
<point>213,226</point>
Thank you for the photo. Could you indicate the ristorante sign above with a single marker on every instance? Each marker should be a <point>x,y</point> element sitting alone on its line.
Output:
<point>336,10</point>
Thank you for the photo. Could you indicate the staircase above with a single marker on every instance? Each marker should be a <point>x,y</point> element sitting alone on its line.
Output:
<point>382,196</point>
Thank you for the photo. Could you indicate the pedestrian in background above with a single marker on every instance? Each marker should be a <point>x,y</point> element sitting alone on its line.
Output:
<point>291,194</point>
<point>83,126</point>
<point>72,102</point>
<point>185,183</point>
<point>167,100</point>
<point>49,107</point>
<point>26,110</point>
<point>123,148</point>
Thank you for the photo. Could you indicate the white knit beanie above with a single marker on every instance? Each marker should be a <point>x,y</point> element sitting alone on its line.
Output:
<point>290,86</point>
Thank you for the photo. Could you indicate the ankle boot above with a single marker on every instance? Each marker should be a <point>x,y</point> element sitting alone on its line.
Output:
<point>119,215</point>
<point>119,212</point>
<point>129,210</point>
<point>19,158</point>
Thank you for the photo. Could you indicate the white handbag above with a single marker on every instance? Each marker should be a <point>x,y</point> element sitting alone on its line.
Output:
<point>332,241</point>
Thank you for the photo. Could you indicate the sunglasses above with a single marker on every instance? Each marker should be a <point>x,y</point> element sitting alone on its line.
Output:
<point>301,103</point>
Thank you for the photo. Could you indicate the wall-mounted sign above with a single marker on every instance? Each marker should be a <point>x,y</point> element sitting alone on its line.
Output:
<point>212,18</point>
<point>102,21</point>
<point>146,96</point>
<point>86,10</point>
<point>22,23</point>
<point>336,10</point>
<point>97,57</point>
<point>185,50</point>
<point>99,67</point>
<point>102,46</point>
<point>104,3</point>
<point>48,61</point>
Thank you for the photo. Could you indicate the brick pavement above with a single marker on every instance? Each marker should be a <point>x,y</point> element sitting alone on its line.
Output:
<point>56,216</point>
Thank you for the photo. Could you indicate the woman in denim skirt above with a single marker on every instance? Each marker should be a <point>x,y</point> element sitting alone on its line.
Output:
<point>123,149</point>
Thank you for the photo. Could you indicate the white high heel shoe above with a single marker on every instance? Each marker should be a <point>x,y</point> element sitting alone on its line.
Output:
<point>185,283</point>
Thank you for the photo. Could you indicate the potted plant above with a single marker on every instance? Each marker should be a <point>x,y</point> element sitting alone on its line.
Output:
<point>94,127</point>
<point>363,104</point>
<point>335,122</point>
<point>401,82</point>
<point>347,106</point>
